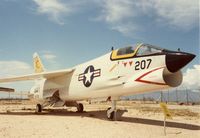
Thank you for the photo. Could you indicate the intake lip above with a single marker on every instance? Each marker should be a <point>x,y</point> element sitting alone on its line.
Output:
<point>177,60</point>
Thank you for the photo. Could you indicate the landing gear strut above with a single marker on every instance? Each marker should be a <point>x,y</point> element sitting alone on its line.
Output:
<point>80,107</point>
<point>38,108</point>
<point>112,111</point>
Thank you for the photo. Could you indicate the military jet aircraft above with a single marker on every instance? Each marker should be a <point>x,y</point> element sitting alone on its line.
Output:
<point>121,72</point>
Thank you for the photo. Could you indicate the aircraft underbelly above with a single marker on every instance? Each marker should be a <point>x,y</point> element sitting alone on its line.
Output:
<point>113,92</point>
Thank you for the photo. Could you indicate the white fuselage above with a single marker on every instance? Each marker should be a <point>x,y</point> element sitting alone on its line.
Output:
<point>121,72</point>
<point>117,78</point>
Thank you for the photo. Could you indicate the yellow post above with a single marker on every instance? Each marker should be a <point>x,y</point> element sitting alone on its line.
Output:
<point>167,114</point>
<point>165,125</point>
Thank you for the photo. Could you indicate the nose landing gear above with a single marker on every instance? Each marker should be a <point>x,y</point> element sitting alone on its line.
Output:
<point>112,111</point>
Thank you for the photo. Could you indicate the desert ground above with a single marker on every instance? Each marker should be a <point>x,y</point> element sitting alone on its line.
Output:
<point>134,120</point>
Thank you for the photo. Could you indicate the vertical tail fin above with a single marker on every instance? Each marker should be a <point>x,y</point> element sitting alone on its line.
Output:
<point>37,63</point>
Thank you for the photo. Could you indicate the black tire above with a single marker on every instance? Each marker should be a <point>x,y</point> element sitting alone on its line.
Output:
<point>111,115</point>
<point>80,107</point>
<point>38,108</point>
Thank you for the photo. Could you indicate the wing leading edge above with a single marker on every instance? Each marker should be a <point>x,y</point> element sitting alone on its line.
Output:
<point>46,75</point>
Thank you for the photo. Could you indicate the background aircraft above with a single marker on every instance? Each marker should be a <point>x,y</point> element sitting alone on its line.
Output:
<point>125,71</point>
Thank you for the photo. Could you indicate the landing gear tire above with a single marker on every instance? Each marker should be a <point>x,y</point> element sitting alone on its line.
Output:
<point>38,108</point>
<point>110,115</point>
<point>80,107</point>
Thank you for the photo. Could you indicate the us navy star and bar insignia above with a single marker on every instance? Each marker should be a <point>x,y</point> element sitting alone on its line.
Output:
<point>88,76</point>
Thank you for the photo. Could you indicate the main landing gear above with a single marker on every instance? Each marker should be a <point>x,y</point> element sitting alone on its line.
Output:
<point>79,106</point>
<point>112,111</point>
<point>38,108</point>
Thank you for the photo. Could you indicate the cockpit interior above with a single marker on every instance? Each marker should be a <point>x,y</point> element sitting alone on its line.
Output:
<point>135,51</point>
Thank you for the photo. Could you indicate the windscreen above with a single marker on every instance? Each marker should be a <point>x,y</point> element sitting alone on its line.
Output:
<point>146,49</point>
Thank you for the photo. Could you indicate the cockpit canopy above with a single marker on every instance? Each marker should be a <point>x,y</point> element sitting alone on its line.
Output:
<point>138,50</point>
<point>146,49</point>
<point>125,50</point>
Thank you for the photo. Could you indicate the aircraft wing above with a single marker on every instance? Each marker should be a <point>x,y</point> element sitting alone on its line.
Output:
<point>47,75</point>
<point>3,89</point>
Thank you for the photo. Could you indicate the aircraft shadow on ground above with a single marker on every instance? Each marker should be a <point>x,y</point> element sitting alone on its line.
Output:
<point>102,115</point>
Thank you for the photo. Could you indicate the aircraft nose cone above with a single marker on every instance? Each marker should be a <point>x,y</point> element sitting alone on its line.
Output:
<point>176,61</point>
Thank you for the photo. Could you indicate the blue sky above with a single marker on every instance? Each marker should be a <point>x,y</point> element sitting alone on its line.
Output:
<point>69,32</point>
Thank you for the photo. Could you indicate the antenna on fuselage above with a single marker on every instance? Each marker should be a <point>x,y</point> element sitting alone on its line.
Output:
<point>112,48</point>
